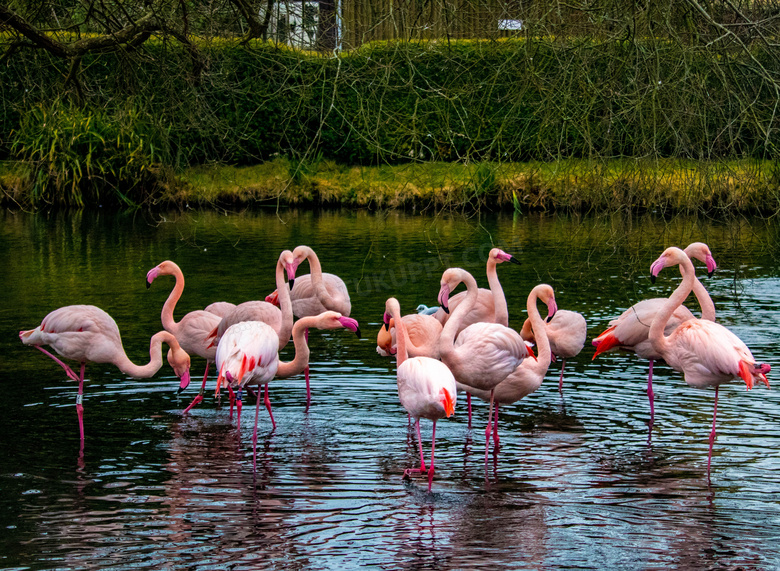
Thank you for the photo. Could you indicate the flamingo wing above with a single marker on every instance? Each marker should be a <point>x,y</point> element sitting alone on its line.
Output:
<point>426,388</point>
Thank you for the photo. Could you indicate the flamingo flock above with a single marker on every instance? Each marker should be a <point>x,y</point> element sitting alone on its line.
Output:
<point>463,343</point>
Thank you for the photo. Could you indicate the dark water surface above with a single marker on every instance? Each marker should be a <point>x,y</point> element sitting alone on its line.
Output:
<point>575,484</point>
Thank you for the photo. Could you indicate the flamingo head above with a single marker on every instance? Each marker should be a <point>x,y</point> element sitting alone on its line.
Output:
<point>450,279</point>
<point>498,255</point>
<point>527,332</point>
<point>300,254</point>
<point>273,298</point>
<point>351,324</point>
<point>287,260</point>
<point>334,320</point>
<point>166,268</point>
<point>547,295</point>
<point>384,339</point>
<point>179,361</point>
<point>701,252</point>
<point>671,256</point>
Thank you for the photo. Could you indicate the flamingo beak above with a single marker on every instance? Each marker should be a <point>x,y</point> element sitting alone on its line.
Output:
<point>184,381</point>
<point>150,275</point>
<point>351,324</point>
<point>656,268</point>
<point>444,297</point>
<point>552,307</point>
<point>711,266</point>
<point>514,260</point>
<point>386,321</point>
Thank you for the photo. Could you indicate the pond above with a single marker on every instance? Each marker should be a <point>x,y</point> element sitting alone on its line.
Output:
<point>576,483</point>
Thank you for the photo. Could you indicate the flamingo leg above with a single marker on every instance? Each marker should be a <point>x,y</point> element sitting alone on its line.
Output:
<point>268,405</point>
<point>650,394</point>
<point>254,436</point>
<point>495,429</point>
<point>421,470</point>
<point>488,430</point>
<point>239,404</point>
<point>68,370</point>
<point>433,447</point>
<point>468,401</point>
<point>232,397</point>
<point>306,373</point>
<point>80,406</point>
<point>199,397</point>
<point>560,379</point>
<point>712,433</point>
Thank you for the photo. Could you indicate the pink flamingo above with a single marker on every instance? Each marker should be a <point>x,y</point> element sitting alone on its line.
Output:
<point>279,318</point>
<point>192,331</point>
<point>631,330</point>
<point>705,352</point>
<point>220,308</point>
<point>490,305</point>
<point>422,336</point>
<point>314,293</point>
<point>243,356</point>
<point>87,333</point>
<point>484,354</point>
<point>528,376</point>
<point>426,387</point>
<point>566,332</point>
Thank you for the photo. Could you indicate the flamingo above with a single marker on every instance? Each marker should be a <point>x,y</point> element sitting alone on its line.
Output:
<point>484,354</point>
<point>422,335</point>
<point>490,305</point>
<point>566,332</point>
<point>243,357</point>
<point>630,331</point>
<point>315,292</point>
<point>279,318</point>
<point>87,333</point>
<point>528,376</point>
<point>220,308</point>
<point>426,387</point>
<point>707,353</point>
<point>192,330</point>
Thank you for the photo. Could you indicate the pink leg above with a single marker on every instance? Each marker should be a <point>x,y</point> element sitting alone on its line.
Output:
<point>268,405</point>
<point>560,380</point>
<point>306,374</point>
<point>68,370</point>
<point>495,429</point>
<point>254,436</point>
<point>80,407</point>
<point>468,401</point>
<point>489,428</point>
<point>421,470</point>
<point>650,394</point>
<point>239,404</point>
<point>232,398</point>
<point>199,398</point>
<point>433,446</point>
<point>712,434</point>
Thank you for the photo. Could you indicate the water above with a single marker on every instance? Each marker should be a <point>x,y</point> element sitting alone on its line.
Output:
<point>575,485</point>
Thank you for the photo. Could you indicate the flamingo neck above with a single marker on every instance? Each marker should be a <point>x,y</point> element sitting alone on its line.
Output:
<point>501,312</point>
<point>301,358</point>
<point>315,269</point>
<point>451,328</point>
<point>168,322</point>
<point>705,301</point>
<point>155,357</point>
<point>542,362</point>
<point>656,335</point>
<point>285,305</point>
<point>401,335</point>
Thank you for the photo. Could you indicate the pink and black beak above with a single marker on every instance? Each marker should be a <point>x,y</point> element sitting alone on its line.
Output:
<point>386,321</point>
<point>656,268</point>
<point>184,382</point>
<point>444,298</point>
<point>150,275</point>
<point>351,324</point>
<point>711,265</point>
<point>291,268</point>
<point>504,257</point>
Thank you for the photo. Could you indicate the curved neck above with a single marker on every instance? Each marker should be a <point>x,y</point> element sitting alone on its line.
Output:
<point>500,309</point>
<point>315,269</point>
<point>451,328</point>
<point>301,358</point>
<point>540,334</point>
<point>675,300</point>
<point>401,335</point>
<point>155,357</point>
<point>285,305</point>
<point>705,301</point>
<point>168,322</point>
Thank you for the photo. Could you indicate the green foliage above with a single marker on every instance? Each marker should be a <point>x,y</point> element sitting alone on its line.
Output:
<point>79,156</point>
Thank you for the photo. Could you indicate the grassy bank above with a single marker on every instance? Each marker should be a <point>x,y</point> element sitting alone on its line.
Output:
<point>744,186</point>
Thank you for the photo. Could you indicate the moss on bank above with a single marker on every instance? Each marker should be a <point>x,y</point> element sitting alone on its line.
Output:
<point>722,188</point>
